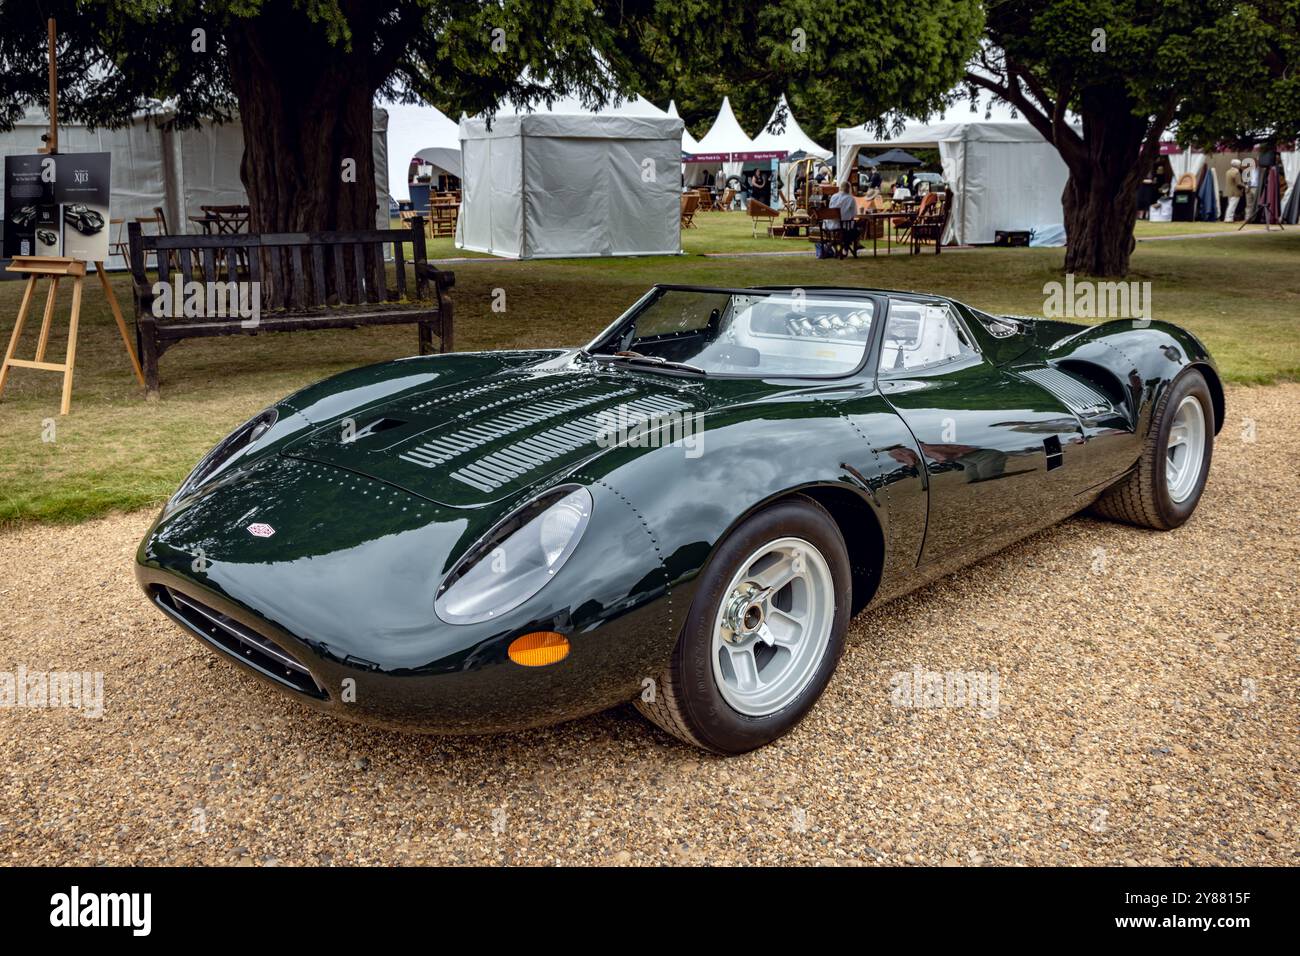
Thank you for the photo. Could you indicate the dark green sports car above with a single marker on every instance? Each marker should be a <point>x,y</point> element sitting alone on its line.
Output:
<point>685,513</point>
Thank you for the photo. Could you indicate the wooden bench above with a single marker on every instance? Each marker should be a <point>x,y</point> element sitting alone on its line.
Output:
<point>335,280</point>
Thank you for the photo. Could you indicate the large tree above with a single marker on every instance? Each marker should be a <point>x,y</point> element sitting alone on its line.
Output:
<point>301,76</point>
<point>1130,70</point>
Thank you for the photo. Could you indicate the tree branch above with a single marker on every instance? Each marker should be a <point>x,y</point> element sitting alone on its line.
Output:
<point>1046,117</point>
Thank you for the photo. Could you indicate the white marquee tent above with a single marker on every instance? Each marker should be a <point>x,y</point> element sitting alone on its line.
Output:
<point>725,145</point>
<point>568,182</point>
<point>689,143</point>
<point>421,130</point>
<point>1003,175</point>
<point>176,171</point>
<point>792,139</point>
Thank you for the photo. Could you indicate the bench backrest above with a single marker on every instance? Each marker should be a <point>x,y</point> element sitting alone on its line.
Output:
<point>319,269</point>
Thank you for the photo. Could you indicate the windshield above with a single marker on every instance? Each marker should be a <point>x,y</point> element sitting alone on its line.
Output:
<point>743,333</point>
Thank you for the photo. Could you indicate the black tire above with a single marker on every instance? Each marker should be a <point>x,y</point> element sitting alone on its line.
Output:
<point>1143,498</point>
<point>687,702</point>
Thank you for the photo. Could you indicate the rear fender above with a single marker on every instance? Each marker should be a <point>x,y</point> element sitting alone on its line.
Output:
<point>1142,358</point>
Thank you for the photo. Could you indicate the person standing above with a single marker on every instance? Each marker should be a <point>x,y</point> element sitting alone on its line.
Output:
<point>1250,179</point>
<point>1234,188</point>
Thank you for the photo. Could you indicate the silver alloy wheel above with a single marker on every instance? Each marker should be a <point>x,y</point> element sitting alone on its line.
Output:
<point>773,627</point>
<point>1186,449</point>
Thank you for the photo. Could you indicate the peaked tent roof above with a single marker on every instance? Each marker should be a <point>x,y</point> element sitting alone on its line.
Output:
<point>689,143</point>
<point>725,137</point>
<point>792,139</point>
<point>419,129</point>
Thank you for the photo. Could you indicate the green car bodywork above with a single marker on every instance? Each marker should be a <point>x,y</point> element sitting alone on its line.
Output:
<point>367,489</point>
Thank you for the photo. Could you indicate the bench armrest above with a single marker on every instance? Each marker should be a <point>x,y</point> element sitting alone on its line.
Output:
<point>143,295</point>
<point>442,278</point>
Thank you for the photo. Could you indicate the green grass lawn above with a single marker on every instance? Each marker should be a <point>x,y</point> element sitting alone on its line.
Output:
<point>733,232</point>
<point>117,451</point>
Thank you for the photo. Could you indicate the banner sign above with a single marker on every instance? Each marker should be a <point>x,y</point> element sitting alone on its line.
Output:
<point>732,157</point>
<point>57,206</point>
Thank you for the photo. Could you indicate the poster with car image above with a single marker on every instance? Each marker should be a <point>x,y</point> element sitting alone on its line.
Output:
<point>31,216</point>
<point>57,205</point>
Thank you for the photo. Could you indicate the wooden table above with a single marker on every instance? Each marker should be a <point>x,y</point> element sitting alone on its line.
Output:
<point>223,220</point>
<point>890,228</point>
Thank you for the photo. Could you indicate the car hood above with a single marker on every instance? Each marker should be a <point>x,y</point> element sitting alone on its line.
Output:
<point>469,444</point>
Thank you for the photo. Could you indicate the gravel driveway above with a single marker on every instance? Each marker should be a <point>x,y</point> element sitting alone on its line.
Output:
<point>1146,713</point>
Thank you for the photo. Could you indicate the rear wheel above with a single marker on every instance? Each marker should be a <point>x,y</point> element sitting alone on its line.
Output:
<point>1165,487</point>
<point>763,634</point>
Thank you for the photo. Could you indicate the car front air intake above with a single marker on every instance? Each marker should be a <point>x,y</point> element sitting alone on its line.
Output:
<point>226,634</point>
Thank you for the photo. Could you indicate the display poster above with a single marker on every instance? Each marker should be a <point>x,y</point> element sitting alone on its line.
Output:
<point>57,205</point>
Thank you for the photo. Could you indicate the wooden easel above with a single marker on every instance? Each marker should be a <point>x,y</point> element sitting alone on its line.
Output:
<point>56,268</point>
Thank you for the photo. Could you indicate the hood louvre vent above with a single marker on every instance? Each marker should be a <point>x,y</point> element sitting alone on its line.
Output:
<point>493,394</point>
<point>464,445</point>
<point>506,464</point>
<point>445,447</point>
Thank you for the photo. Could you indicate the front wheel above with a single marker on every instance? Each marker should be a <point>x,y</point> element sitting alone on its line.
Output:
<point>1165,487</point>
<point>763,635</point>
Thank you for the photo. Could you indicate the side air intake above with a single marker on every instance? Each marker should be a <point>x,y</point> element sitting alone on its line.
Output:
<point>1080,397</point>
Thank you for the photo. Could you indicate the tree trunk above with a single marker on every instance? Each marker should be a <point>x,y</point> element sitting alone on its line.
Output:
<point>305,106</point>
<point>1100,198</point>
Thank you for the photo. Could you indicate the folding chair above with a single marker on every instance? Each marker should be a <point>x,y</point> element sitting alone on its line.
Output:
<point>760,211</point>
<point>690,205</point>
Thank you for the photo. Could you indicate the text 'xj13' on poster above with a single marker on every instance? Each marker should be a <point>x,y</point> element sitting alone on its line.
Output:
<point>57,206</point>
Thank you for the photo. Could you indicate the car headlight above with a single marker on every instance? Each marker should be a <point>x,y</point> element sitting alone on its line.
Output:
<point>516,559</point>
<point>237,442</point>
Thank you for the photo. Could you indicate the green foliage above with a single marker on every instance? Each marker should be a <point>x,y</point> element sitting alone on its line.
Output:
<point>841,64</point>
<point>1211,69</point>
<point>120,56</point>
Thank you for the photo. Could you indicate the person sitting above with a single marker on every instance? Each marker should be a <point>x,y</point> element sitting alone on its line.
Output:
<point>847,227</point>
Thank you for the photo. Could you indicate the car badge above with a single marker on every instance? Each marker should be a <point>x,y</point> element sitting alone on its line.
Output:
<point>259,530</point>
